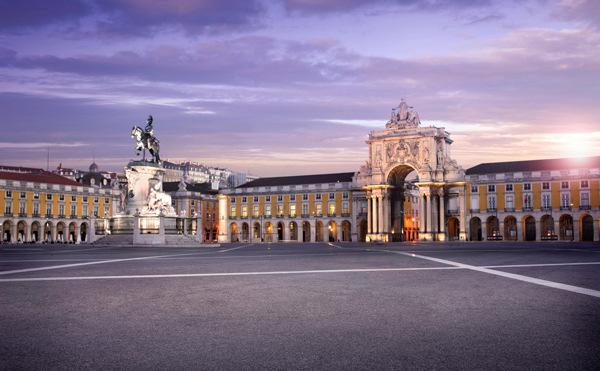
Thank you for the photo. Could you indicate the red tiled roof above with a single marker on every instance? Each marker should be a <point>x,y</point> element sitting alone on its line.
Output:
<point>38,176</point>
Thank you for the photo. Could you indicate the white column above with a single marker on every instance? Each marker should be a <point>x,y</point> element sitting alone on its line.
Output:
<point>374,223</point>
<point>313,231</point>
<point>369,213</point>
<point>442,214</point>
<point>199,228</point>
<point>429,212</point>
<point>538,230</point>
<point>519,230</point>
<point>286,231</point>
<point>339,230</point>
<point>576,231</point>
<point>13,232</point>
<point>299,230</point>
<point>421,214</point>
<point>380,216</point>
<point>223,225</point>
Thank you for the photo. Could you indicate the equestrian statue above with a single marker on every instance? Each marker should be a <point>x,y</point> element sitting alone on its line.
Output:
<point>145,140</point>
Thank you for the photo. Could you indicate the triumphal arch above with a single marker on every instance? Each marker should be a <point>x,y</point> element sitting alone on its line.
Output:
<point>407,159</point>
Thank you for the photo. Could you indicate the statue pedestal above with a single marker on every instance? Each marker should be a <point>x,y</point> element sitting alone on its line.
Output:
<point>141,176</point>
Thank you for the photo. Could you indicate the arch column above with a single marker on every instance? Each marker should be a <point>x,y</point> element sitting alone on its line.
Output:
<point>380,215</point>
<point>442,229</point>
<point>369,206</point>
<point>286,231</point>
<point>538,229</point>
<point>597,230</point>
<point>313,231</point>
<point>576,230</point>
<point>422,203</point>
<point>374,213</point>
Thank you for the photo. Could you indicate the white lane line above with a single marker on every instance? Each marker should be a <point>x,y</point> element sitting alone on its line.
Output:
<point>538,265</point>
<point>537,281</point>
<point>332,245</point>
<point>238,247</point>
<point>3,273</point>
<point>360,270</point>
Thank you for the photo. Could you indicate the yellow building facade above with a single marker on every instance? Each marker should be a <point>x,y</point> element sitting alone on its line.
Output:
<point>38,206</point>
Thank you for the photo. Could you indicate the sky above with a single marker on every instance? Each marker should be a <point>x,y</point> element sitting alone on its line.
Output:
<point>288,87</point>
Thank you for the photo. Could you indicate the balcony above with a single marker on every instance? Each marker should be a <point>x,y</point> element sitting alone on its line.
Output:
<point>304,215</point>
<point>492,210</point>
<point>232,217</point>
<point>292,216</point>
<point>48,216</point>
<point>280,215</point>
<point>22,215</point>
<point>565,208</point>
<point>331,215</point>
<point>62,216</point>
<point>473,211</point>
<point>452,212</point>
<point>585,207</point>
<point>35,215</point>
<point>527,208</point>
<point>244,217</point>
<point>8,215</point>
<point>509,209</point>
<point>546,208</point>
<point>73,216</point>
<point>346,215</point>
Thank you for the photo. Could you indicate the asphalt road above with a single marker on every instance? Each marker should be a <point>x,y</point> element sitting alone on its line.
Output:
<point>310,306</point>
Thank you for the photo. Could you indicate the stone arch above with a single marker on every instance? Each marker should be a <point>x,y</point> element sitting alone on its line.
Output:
<point>83,232</point>
<point>280,231</point>
<point>233,230</point>
<point>565,227</point>
<point>510,228</point>
<point>7,231</point>
<point>305,232</point>
<point>256,233</point>
<point>72,236</point>
<point>35,234</point>
<point>22,229</point>
<point>61,231</point>
<point>268,232</point>
<point>587,227</point>
<point>319,231</point>
<point>293,231</point>
<point>396,178</point>
<point>47,236</point>
<point>362,230</point>
<point>529,228</point>
<point>547,226</point>
<point>492,225</point>
<point>453,228</point>
<point>245,232</point>
<point>346,231</point>
<point>332,231</point>
<point>475,229</point>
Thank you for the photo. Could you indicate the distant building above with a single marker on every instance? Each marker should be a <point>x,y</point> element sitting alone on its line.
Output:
<point>193,172</point>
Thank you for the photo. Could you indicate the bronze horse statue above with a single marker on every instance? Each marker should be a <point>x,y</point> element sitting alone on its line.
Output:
<point>145,140</point>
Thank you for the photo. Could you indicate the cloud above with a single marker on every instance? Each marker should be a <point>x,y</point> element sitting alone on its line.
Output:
<point>34,145</point>
<point>587,11</point>
<point>23,15</point>
<point>335,6</point>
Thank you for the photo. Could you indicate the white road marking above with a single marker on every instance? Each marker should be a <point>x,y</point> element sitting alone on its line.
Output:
<point>538,265</point>
<point>3,273</point>
<point>537,281</point>
<point>332,245</point>
<point>226,274</point>
<point>238,247</point>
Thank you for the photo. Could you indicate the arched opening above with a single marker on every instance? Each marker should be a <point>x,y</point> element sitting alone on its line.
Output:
<point>510,228</point>
<point>565,226</point>
<point>83,232</point>
<point>453,229</point>
<point>319,231</point>
<point>362,230</point>
<point>48,232</point>
<point>332,231</point>
<point>547,227</point>
<point>6,231</point>
<point>268,232</point>
<point>403,191</point>
<point>346,231</point>
<point>256,232</point>
<point>35,231</point>
<point>72,232</point>
<point>60,232</point>
<point>475,229</point>
<point>587,228</point>
<point>305,232</point>
<point>245,232</point>
<point>233,228</point>
<point>293,231</point>
<point>492,226</point>
<point>22,231</point>
<point>529,230</point>
<point>280,229</point>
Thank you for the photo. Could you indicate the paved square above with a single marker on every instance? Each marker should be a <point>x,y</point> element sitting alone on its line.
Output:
<point>302,306</point>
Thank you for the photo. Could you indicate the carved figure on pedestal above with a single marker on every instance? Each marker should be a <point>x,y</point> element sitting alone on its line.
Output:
<point>440,157</point>
<point>158,202</point>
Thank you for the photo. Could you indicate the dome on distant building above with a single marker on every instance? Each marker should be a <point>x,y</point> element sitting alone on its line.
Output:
<point>93,167</point>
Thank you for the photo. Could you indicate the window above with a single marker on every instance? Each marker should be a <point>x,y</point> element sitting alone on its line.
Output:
<point>304,209</point>
<point>22,195</point>
<point>255,211</point>
<point>331,195</point>
<point>85,210</point>
<point>7,208</point>
<point>106,200</point>
<point>292,210</point>
<point>61,209</point>
<point>305,197</point>
<point>279,210</point>
<point>61,197</point>
<point>21,207</point>
<point>585,199</point>
<point>546,186</point>
<point>48,208</point>
<point>332,208</point>
<point>244,199</point>
<point>255,198</point>
<point>36,195</point>
<point>510,203</point>
<point>232,200</point>
<point>36,208</point>
<point>584,184</point>
<point>318,196</point>
<point>565,201</point>
<point>292,197</point>
<point>546,201</point>
<point>279,198</point>
<point>96,199</point>
<point>527,186</point>
<point>49,196</point>
<point>491,188</point>
<point>95,211</point>
<point>345,196</point>
<point>268,211</point>
<point>564,185</point>
<point>106,211</point>
<point>267,198</point>
<point>85,198</point>
<point>244,211</point>
<point>509,188</point>
<point>492,202</point>
<point>73,199</point>
<point>8,194</point>
<point>345,207</point>
<point>527,201</point>
<point>73,211</point>
<point>233,212</point>
<point>319,210</point>
<point>474,189</point>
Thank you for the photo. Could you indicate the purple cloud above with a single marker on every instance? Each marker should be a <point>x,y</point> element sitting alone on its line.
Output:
<point>28,14</point>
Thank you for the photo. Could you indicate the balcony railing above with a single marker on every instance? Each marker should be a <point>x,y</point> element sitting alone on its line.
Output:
<point>292,216</point>
<point>584,207</point>
<point>527,208</point>
<point>331,215</point>
<point>35,215</point>
<point>61,216</point>
<point>452,212</point>
<point>565,207</point>
<point>474,210</point>
<point>305,215</point>
<point>546,208</point>
<point>346,215</point>
<point>491,210</point>
<point>48,216</point>
<point>73,216</point>
<point>8,214</point>
<point>280,215</point>
<point>509,209</point>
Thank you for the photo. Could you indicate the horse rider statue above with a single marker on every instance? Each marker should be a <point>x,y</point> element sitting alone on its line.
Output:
<point>145,139</point>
